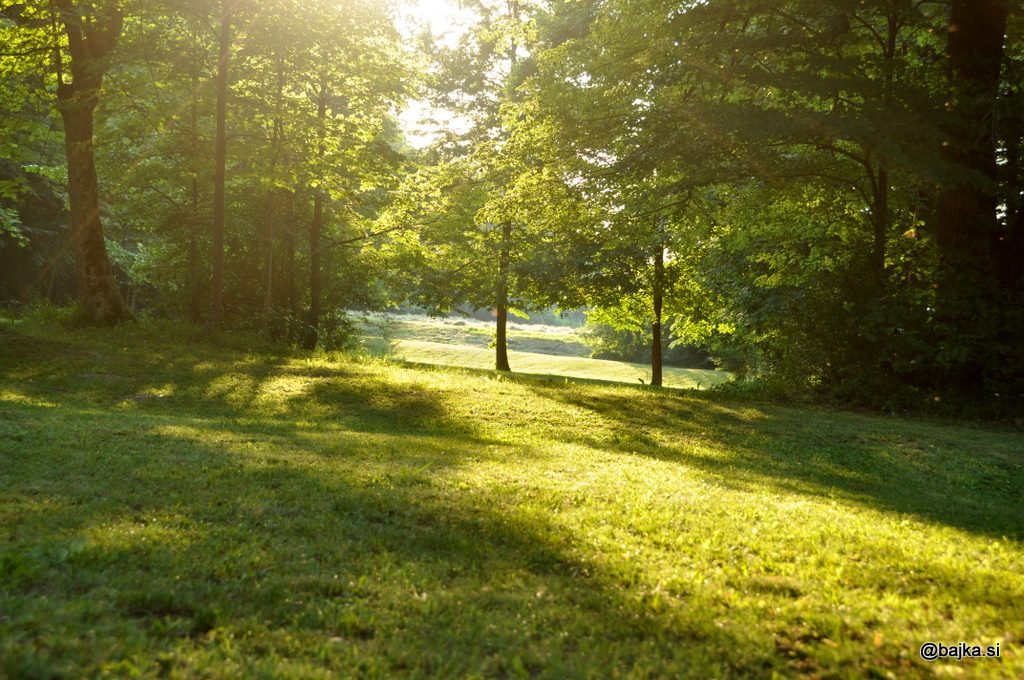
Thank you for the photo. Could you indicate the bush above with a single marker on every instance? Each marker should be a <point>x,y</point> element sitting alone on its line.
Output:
<point>607,342</point>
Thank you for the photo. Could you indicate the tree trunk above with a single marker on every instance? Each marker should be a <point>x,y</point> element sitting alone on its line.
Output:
<point>880,222</point>
<point>291,297</point>
<point>501,302</point>
<point>195,220</point>
<point>1009,244</point>
<point>659,292</point>
<point>90,44</point>
<point>315,229</point>
<point>219,172</point>
<point>966,210</point>
<point>194,272</point>
<point>966,215</point>
<point>268,264</point>
<point>276,140</point>
<point>316,226</point>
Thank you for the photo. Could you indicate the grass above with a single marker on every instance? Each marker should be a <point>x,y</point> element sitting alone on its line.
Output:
<point>465,356</point>
<point>172,509</point>
<point>533,349</point>
<point>534,338</point>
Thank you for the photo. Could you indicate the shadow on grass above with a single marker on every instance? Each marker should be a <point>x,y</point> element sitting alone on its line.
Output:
<point>162,534</point>
<point>905,467</point>
<point>197,380</point>
<point>176,501</point>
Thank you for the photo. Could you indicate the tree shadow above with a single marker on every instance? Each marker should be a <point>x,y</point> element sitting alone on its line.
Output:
<point>907,467</point>
<point>153,378</point>
<point>163,534</point>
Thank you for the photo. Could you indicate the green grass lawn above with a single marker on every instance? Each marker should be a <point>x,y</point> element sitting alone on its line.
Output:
<point>467,356</point>
<point>173,509</point>
<point>533,349</point>
<point>533,338</point>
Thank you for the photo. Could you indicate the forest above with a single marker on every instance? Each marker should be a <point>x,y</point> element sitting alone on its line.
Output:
<point>826,197</point>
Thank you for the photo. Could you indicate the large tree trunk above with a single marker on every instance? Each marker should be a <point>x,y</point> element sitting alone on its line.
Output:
<point>659,296</point>
<point>90,44</point>
<point>967,208</point>
<point>966,211</point>
<point>501,302</point>
<point>219,172</point>
<point>1009,243</point>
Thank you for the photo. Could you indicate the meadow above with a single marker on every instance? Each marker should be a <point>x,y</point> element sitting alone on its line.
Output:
<point>175,508</point>
<point>535,349</point>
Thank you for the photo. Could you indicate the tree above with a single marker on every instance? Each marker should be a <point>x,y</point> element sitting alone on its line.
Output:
<point>92,33</point>
<point>966,217</point>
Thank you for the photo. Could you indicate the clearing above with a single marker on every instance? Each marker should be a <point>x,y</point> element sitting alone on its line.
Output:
<point>534,349</point>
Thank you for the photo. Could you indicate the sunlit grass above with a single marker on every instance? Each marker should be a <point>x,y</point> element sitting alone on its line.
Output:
<point>466,356</point>
<point>193,511</point>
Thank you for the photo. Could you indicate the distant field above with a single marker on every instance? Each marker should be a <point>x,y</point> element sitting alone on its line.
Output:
<point>548,364</point>
<point>533,348</point>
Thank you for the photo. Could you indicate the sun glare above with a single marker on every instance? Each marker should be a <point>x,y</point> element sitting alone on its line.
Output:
<point>445,19</point>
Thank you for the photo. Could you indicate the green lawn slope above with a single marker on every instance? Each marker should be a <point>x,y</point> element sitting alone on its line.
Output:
<point>467,356</point>
<point>173,509</point>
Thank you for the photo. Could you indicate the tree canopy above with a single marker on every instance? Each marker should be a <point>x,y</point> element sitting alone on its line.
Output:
<point>825,196</point>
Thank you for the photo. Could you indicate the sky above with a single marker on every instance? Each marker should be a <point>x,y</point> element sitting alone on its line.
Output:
<point>446,22</point>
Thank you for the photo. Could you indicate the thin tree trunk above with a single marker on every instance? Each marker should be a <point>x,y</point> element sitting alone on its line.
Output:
<point>194,269</point>
<point>315,292</point>
<point>316,229</point>
<point>290,297</point>
<point>504,254</point>
<point>219,172</point>
<point>880,221</point>
<point>501,302</point>
<point>90,44</point>
<point>659,292</point>
<point>268,266</point>
<point>277,135</point>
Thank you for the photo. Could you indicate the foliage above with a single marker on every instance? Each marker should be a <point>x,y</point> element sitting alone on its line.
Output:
<point>809,172</point>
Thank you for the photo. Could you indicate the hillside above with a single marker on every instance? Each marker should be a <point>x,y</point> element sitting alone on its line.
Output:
<point>177,509</point>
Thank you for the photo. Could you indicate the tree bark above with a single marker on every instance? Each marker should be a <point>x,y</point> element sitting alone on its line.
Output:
<point>1009,244</point>
<point>277,139</point>
<point>659,293</point>
<point>220,154</point>
<point>290,296</point>
<point>316,228</point>
<point>195,307</point>
<point>966,219</point>
<point>501,301</point>
<point>966,216</point>
<point>315,293</point>
<point>880,222</point>
<point>90,44</point>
